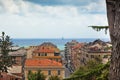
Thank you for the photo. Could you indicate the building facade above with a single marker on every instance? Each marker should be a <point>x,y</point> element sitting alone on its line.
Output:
<point>47,67</point>
<point>81,53</point>
<point>45,57</point>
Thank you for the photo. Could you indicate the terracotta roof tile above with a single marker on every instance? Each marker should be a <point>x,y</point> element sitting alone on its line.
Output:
<point>46,48</point>
<point>41,62</point>
<point>43,51</point>
<point>77,46</point>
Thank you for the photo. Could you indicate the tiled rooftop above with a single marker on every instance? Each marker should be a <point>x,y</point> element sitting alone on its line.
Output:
<point>48,57</point>
<point>77,46</point>
<point>15,48</point>
<point>46,49</point>
<point>20,52</point>
<point>48,44</point>
<point>43,50</point>
<point>15,69</point>
<point>42,62</point>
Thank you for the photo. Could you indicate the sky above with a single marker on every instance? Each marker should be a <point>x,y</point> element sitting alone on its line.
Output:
<point>52,18</point>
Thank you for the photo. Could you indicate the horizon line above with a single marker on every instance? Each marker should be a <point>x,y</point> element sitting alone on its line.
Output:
<point>60,38</point>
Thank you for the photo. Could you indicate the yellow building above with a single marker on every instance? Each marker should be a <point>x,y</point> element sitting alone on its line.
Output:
<point>45,57</point>
<point>47,67</point>
<point>103,55</point>
<point>95,53</point>
<point>47,51</point>
<point>30,51</point>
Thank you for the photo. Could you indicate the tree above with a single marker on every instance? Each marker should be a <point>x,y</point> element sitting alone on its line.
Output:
<point>31,76</point>
<point>40,76</point>
<point>92,71</point>
<point>54,78</point>
<point>5,59</point>
<point>36,76</point>
<point>99,28</point>
<point>113,14</point>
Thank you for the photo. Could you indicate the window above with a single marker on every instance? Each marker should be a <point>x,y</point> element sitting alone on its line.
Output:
<point>92,56</point>
<point>42,54</point>
<point>86,55</point>
<point>58,72</point>
<point>49,72</point>
<point>38,54</point>
<point>29,71</point>
<point>45,54</point>
<point>56,54</point>
<point>105,56</point>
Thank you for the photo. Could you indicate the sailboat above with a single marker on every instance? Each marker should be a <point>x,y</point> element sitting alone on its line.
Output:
<point>62,38</point>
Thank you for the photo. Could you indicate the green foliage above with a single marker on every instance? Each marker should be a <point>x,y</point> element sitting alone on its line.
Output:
<point>31,76</point>
<point>98,59</point>
<point>99,28</point>
<point>54,78</point>
<point>108,48</point>
<point>5,59</point>
<point>36,76</point>
<point>92,71</point>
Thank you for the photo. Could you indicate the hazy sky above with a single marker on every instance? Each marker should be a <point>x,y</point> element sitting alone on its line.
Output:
<point>52,18</point>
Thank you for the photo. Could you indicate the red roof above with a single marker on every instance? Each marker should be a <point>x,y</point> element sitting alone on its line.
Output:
<point>41,62</point>
<point>77,46</point>
<point>44,50</point>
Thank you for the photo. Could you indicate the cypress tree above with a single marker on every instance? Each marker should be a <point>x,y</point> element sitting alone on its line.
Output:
<point>5,59</point>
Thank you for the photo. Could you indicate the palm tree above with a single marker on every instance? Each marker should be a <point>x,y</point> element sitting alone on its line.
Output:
<point>36,76</point>
<point>40,76</point>
<point>54,78</point>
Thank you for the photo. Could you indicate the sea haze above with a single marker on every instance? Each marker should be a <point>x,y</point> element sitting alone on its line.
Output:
<point>59,42</point>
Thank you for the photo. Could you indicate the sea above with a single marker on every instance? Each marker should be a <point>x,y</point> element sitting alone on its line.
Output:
<point>59,42</point>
